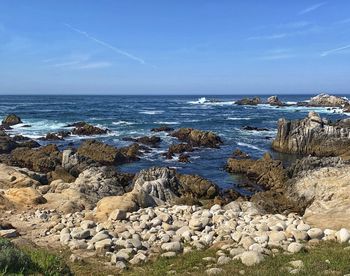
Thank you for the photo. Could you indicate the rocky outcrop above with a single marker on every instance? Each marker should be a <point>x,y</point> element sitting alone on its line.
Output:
<point>198,138</point>
<point>197,187</point>
<point>325,192</point>
<point>178,149</point>
<point>85,129</point>
<point>44,159</point>
<point>251,128</point>
<point>11,120</point>
<point>52,136</point>
<point>107,154</point>
<point>11,177</point>
<point>313,135</point>
<point>326,100</point>
<point>249,101</point>
<point>24,196</point>
<point>274,101</point>
<point>6,143</point>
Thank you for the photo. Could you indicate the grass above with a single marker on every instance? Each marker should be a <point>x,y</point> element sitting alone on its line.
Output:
<point>29,261</point>
<point>326,258</point>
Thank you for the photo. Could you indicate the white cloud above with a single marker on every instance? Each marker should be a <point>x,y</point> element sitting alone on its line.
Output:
<point>94,65</point>
<point>335,50</point>
<point>312,8</point>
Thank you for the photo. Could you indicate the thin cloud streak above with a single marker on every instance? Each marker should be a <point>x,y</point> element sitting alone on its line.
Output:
<point>312,8</point>
<point>107,45</point>
<point>327,53</point>
<point>94,65</point>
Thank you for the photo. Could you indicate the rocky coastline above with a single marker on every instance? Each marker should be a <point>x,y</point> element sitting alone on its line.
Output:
<point>77,198</point>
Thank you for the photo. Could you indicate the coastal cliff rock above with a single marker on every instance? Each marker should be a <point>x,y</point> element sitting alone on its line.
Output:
<point>6,143</point>
<point>11,120</point>
<point>152,141</point>
<point>162,128</point>
<point>197,138</point>
<point>197,187</point>
<point>313,135</point>
<point>178,149</point>
<point>249,101</point>
<point>24,196</point>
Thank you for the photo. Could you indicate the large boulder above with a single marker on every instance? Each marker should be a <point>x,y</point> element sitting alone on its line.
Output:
<point>11,177</point>
<point>152,141</point>
<point>195,186</point>
<point>198,138</point>
<point>11,120</point>
<point>325,191</point>
<point>107,154</point>
<point>249,101</point>
<point>313,135</point>
<point>7,144</point>
<point>74,163</point>
<point>24,196</point>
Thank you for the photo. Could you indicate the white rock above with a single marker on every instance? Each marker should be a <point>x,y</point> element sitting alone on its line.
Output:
<point>172,246</point>
<point>295,247</point>
<point>214,271</point>
<point>315,233</point>
<point>343,235</point>
<point>222,260</point>
<point>250,258</point>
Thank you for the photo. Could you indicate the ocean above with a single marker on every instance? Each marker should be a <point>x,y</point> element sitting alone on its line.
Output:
<point>134,116</point>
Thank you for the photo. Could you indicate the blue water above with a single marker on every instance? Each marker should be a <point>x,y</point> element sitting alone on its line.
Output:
<point>136,115</point>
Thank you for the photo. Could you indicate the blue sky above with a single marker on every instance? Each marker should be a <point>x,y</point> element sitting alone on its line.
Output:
<point>174,47</point>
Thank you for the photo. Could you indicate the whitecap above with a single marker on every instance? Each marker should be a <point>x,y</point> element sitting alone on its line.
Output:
<point>238,118</point>
<point>151,112</point>
<point>166,122</point>
<point>121,122</point>
<point>250,146</point>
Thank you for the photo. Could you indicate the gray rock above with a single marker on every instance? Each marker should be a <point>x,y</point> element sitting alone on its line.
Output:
<point>295,247</point>
<point>250,258</point>
<point>172,246</point>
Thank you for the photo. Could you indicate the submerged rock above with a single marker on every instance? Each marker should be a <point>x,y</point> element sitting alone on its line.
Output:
<point>313,135</point>
<point>162,128</point>
<point>85,129</point>
<point>152,141</point>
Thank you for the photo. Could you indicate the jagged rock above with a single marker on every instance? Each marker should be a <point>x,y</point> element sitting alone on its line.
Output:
<point>326,100</point>
<point>250,128</point>
<point>106,154</point>
<point>239,154</point>
<point>11,119</point>
<point>184,158</point>
<point>249,101</point>
<point>197,138</point>
<point>274,100</point>
<point>178,149</point>
<point>7,144</point>
<point>195,186</point>
<point>85,129</point>
<point>314,136</point>
<point>74,163</point>
<point>56,136</point>
<point>44,159</point>
<point>61,173</point>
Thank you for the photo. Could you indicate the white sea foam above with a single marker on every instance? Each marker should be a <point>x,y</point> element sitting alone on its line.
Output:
<point>204,101</point>
<point>121,122</point>
<point>250,146</point>
<point>151,112</point>
<point>167,122</point>
<point>238,118</point>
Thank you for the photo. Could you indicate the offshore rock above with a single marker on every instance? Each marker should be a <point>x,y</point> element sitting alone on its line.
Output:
<point>197,138</point>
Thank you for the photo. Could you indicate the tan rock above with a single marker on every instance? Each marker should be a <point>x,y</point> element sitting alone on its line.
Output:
<point>10,177</point>
<point>24,196</point>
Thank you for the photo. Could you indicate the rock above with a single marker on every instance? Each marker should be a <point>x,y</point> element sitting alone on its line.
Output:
<point>106,154</point>
<point>103,245</point>
<point>138,259</point>
<point>343,235</point>
<point>195,186</point>
<point>85,129</point>
<point>240,154</point>
<point>152,141</point>
<point>184,158</point>
<point>117,215</point>
<point>315,233</point>
<point>61,173</point>
<point>250,128</point>
<point>162,128</point>
<point>277,237</point>
<point>275,101</point>
<point>325,100</point>
<point>172,246</point>
<point>11,177</point>
<point>197,138</point>
<point>24,196</point>
<point>44,159</point>
<point>214,271</point>
<point>295,247</point>
<point>7,144</point>
<point>74,258</point>
<point>120,265</point>
<point>178,149</point>
<point>10,233</point>
<point>313,135</point>
<point>249,101</point>
<point>223,260</point>
<point>11,119</point>
<point>250,258</point>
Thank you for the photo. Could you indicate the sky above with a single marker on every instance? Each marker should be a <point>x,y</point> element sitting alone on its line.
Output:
<point>174,47</point>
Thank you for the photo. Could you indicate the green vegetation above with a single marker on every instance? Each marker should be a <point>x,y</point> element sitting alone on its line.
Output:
<point>29,261</point>
<point>328,258</point>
